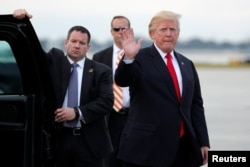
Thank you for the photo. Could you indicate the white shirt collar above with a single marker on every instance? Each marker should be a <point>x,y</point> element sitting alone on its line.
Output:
<point>115,49</point>
<point>163,54</point>
<point>80,62</point>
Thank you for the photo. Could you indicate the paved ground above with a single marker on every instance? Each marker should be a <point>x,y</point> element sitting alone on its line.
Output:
<point>226,94</point>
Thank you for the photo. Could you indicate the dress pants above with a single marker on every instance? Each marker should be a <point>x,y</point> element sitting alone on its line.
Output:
<point>116,124</point>
<point>73,151</point>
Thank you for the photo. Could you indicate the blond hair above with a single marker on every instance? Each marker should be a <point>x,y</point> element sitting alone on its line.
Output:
<point>161,16</point>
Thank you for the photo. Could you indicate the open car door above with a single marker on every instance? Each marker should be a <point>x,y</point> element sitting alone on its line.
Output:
<point>26,97</point>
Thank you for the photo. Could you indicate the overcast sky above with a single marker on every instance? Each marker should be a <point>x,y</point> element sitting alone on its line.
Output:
<point>218,20</point>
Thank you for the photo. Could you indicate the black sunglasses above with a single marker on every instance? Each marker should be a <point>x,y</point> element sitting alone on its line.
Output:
<point>119,28</point>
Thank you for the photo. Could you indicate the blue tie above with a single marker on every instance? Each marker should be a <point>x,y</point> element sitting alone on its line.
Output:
<point>73,93</point>
<point>73,87</point>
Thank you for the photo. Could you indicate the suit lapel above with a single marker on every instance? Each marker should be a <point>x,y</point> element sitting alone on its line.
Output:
<point>65,75</point>
<point>88,74</point>
<point>184,73</point>
<point>109,56</point>
<point>157,61</point>
<point>162,68</point>
<point>106,56</point>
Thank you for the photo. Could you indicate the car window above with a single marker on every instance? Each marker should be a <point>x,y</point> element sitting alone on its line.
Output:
<point>10,78</point>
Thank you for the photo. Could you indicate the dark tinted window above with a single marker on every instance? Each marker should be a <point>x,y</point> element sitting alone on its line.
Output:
<point>10,78</point>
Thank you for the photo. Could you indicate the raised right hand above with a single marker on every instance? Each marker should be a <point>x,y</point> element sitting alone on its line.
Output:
<point>21,13</point>
<point>130,46</point>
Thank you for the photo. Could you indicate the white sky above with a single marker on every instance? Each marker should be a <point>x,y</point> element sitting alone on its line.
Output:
<point>218,20</point>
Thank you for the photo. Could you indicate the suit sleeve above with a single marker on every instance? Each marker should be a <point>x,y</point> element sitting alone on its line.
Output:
<point>100,99</point>
<point>198,115</point>
<point>125,73</point>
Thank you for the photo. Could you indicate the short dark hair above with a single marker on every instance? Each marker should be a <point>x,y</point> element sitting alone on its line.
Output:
<point>120,17</point>
<point>81,29</point>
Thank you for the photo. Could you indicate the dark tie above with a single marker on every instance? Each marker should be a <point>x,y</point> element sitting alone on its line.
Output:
<point>176,86</point>
<point>73,93</point>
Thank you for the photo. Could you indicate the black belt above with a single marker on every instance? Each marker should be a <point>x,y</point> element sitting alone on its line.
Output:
<point>123,111</point>
<point>72,131</point>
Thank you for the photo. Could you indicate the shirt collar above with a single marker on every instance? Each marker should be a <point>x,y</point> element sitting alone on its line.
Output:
<point>163,54</point>
<point>80,62</point>
<point>116,49</point>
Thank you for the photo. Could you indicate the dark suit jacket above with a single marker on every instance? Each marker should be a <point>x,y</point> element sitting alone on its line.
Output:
<point>104,56</point>
<point>96,99</point>
<point>151,134</point>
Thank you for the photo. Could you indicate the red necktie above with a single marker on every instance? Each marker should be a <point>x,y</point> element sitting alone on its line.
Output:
<point>176,85</point>
<point>118,97</point>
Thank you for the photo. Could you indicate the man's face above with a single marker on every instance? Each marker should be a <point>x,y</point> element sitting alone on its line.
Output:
<point>118,25</point>
<point>166,35</point>
<point>77,45</point>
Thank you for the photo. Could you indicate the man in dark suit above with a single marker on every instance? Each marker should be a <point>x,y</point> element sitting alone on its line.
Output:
<point>83,138</point>
<point>108,56</point>
<point>166,125</point>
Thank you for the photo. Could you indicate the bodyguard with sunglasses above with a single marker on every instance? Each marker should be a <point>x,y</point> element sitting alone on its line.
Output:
<point>108,56</point>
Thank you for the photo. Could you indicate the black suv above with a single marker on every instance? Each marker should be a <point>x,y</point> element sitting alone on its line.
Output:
<point>26,97</point>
